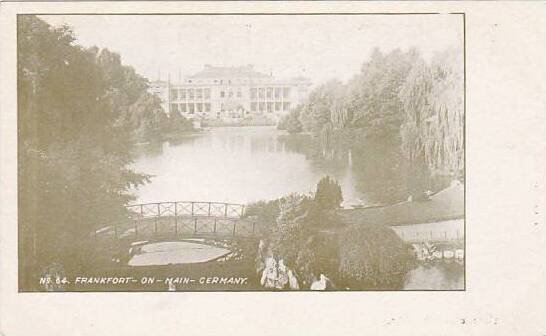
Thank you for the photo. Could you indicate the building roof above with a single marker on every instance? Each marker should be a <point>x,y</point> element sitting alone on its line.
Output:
<point>445,205</point>
<point>228,72</point>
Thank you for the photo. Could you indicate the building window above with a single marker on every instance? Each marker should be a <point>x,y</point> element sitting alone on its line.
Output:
<point>198,93</point>
<point>174,94</point>
<point>262,106</point>
<point>277,92</point>
<point>174,108</point>
<point>239,94</point>
<point>207,107</point>
<point>253,93</point>
<point>222,94</point>
<point>269,107</point>
<point>183,108</point>
<point>207,93</point>
<point>286,106</point>
<point>286,92</point>
<point>253,107</point>
<point>191,108</point>
<point>190,93</point>
<point>278,106</point>
<point>183,94</point>
<point>230,93</point>
<point>261,92</point>
<point>199,108</point>
<point>269,92</point>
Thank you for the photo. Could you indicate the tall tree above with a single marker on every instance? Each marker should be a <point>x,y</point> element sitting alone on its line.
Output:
<point>73,151</point>
<point>374,100</point>
<point>433,103</point>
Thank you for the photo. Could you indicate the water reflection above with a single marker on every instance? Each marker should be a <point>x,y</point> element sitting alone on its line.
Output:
<point>176,252</point>
<point>239,164</point>
<point>246,164</point>
<point>446,276</point>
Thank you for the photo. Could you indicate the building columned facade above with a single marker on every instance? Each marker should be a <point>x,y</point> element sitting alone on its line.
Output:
<point>231,94</point>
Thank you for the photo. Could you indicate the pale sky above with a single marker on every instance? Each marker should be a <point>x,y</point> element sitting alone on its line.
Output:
<point>317,47</point>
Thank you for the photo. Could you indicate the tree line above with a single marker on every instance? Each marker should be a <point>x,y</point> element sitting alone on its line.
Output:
<point>80,113</point>
<point>398,105</point>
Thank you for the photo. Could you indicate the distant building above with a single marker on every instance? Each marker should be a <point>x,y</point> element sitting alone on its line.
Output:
<point>231,94</point>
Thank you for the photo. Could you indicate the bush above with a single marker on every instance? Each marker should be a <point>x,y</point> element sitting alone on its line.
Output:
<point>328,195</point>
<point>372,257</point>
<point>291,122</point>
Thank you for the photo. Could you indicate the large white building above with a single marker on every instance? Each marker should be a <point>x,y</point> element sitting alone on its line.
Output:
<point>231,94</point>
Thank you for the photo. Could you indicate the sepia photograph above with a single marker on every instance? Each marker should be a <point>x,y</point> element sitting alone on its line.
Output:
<point>241,152</point>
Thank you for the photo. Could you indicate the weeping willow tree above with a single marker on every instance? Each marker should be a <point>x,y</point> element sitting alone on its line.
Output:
<point>432,97</point>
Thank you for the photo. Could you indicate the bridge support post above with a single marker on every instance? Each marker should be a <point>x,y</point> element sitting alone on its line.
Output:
<point>253,227</point>
<point>195,225</point>
<point>215,224</point>
<point>141,217</point>
<point>209,209</point>
<point>225,209</point>
<point>157,218</point>
<point>175,218</point>
<point>234,225</point>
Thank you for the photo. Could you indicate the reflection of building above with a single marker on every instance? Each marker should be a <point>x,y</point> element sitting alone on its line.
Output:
<point>231,94</point>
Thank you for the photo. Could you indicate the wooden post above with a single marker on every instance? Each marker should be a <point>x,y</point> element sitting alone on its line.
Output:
<point>175,218</point>
<point>157,218</point>
<point>253,227</point>
<point>214,225</point>
<point>234,225</point>
<point>192,208</point>
<point>209,209</point>
<point>225,209</point>
<point>141,217</point>
<point>242,211</point>
<point>195,225</point>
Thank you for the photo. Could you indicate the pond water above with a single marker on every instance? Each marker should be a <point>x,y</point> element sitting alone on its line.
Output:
<point>444,276</point>
<point>235,165</point>
<point>177,252</point>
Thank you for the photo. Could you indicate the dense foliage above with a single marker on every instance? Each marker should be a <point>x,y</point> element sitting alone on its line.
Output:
<point>373,256</point>
<point>328,195</point>
<point>401,119</point>
<point>80,113</point>
<point>312,238</point>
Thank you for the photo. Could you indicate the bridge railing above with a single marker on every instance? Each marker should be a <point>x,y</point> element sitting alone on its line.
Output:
<point>178,227</point>
<point>430,236</point>
<point>192,209</point>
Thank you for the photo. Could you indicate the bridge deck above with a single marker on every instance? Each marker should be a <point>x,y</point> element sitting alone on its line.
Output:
<point>177,227</point>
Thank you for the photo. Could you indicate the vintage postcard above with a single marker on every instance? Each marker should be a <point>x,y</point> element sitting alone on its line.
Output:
<point>241,152</point>
<point>255,148</point>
